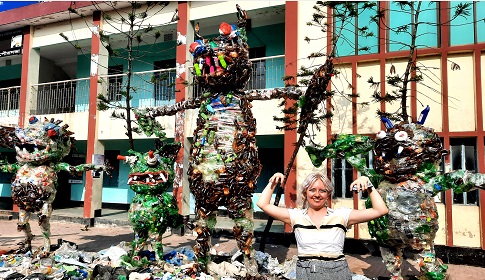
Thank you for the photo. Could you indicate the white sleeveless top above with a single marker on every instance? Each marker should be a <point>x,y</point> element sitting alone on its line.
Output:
<point>326,239</point>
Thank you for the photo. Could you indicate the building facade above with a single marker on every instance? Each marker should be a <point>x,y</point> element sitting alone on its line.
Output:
<point>44,75</point>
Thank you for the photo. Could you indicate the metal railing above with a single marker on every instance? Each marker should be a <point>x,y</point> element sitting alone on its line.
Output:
<point>148,88</point>
<point>60,97</point>
<point>268,72</point>
<point>9,101</point>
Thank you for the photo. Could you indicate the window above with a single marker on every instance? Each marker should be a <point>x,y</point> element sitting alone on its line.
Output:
<point>342,176</point>
<point>400,19</point>
<point>354,40</point>
<point>468,29</point>
<point>115,82</point>
<point>463,155</point>
<point>164,81</point>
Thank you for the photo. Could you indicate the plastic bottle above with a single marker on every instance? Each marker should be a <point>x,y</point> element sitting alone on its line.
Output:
<point>387,122</point>
<point>424,114</point>
<point>222,61</point>
<point>197,69</point>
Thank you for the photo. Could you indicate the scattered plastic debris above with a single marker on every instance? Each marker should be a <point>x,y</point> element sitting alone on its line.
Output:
<point>68,262</point>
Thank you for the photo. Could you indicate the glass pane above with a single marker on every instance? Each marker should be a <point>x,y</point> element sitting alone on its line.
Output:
<point>464,156</point>
<point>369,42</point>
<point>346,42</point>
<point>480,23</point>
<point>348,179</point>
<point>461,28</point>
<point>427,30</point>
<point>337,177</point>
<point>398,18</point>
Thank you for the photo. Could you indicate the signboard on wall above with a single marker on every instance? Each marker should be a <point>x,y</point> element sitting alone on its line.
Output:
<point>11,42</point>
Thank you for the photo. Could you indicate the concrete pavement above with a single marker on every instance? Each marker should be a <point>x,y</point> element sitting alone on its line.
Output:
<point>105,234</point>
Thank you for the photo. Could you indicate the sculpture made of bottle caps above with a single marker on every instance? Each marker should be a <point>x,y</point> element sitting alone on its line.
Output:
<point>40,147</point>
<point>152,210</point>
<point>407,159</point>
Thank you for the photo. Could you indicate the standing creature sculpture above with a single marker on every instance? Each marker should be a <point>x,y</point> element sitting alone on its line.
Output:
<point>223,160</point>
<point>152,210</point>
<point>224,164</point>
<point>406,163</point>
<point>40,147</point>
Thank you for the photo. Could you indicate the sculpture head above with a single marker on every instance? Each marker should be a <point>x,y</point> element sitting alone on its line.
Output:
<point>222,64</point>
<point>406,149</point>
<point>152,172</point>
<point>41,142</point>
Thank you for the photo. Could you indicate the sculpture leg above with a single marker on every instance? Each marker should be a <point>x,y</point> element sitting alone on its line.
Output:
<point>430,266</point>
<point>157,246</point>
<point>392,258</point>
<point>139,243</point>
<point>45,226</point>
<point>206,221</point>
<point>244,233</point>
<point>23,225</point>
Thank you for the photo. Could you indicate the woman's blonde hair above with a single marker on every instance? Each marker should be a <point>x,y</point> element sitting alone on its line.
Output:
<point>301,201</point>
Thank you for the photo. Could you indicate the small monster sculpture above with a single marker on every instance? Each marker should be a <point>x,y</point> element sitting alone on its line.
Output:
<point>40,147</point>
<point>152,210</point>
<point>406,170</point>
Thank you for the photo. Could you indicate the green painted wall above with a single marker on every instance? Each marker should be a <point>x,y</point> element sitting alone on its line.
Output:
<point>271,36</point>
<point>10,72</point>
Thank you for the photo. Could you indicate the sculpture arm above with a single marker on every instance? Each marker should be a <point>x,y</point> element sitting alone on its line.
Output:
<point>459,181</point>
<point>348,147</point>
<point>81,167</point>
<point>169,110</point>
<point>277,93</point>
<point>9,168</point>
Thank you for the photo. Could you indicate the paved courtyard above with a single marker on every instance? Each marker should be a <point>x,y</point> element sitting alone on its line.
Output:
<point>94,239</point>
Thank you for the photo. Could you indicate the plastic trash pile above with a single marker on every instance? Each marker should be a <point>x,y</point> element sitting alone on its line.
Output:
<point>67,262</point>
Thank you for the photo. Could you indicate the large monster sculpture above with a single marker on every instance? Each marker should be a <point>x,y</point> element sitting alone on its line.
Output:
<point>406,164</point>
<point>224,165</point>
<point>223,160</point>
<point>40,148</point>
<point>152,210</point>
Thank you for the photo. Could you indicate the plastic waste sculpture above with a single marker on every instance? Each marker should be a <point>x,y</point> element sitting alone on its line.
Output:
<point>152,210</point>
<point>406,164</point>
<point>40,147</point>
<point>223,161</point>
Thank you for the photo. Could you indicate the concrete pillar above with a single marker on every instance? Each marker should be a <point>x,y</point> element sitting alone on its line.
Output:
<point>291,69</point>
<point>181,189</point>
<point>95,148</point>
<point>30,75</point>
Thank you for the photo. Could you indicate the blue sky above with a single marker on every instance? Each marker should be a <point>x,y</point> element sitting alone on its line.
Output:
<point>8,5</point>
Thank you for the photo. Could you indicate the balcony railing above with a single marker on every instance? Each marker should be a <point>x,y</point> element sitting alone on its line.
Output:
<point>60,97</point>
<point>267,73</point>
<point>148,88</point>
<point>9,101</point>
